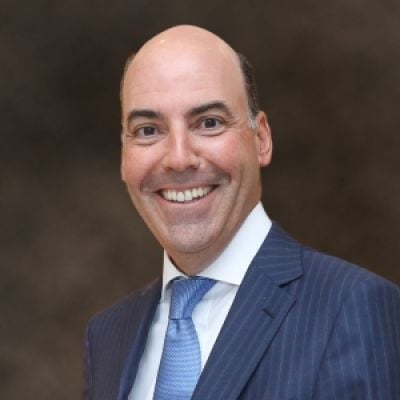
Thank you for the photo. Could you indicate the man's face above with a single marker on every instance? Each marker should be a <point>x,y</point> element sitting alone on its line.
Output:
<point>189,159</point>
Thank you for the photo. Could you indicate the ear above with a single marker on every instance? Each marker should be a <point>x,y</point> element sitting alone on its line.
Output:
<point>263,140</point>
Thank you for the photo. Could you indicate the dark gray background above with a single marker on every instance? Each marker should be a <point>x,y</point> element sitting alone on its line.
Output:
<point>329,79</point>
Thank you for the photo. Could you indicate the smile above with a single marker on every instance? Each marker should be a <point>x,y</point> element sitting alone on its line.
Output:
<point>185,195</point>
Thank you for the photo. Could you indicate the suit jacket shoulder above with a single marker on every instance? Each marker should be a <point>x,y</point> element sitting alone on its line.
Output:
<point>306,325</point>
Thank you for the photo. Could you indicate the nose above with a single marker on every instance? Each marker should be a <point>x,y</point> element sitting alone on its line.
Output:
<point>180,153</point>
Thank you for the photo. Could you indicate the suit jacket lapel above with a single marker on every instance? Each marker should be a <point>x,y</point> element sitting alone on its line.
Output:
<point>147,304</point>
<point>259,309</point>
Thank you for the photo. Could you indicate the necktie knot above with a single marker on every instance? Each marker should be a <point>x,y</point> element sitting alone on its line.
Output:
<point>185,295</point>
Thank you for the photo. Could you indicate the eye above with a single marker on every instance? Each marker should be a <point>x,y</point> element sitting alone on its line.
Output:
<point>210,126</point>
<point>210,123</point>
<point>145,132</point>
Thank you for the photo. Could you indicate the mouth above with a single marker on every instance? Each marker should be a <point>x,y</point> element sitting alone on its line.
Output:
<point>187,195</point>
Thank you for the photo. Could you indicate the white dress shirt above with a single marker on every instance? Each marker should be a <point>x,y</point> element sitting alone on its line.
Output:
<point>210,313</point>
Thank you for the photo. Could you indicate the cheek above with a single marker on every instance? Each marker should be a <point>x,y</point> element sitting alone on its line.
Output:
<point>133,167</point>
<point>235,155</point>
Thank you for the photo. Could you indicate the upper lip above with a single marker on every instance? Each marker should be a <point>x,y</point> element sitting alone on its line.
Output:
<point>155,183</point>
<point>182,188</point>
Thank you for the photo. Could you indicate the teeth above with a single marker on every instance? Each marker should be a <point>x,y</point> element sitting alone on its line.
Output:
<point>186,195</point>
<point>180,196</point>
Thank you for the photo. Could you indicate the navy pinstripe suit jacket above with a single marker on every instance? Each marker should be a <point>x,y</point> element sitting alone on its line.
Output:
<point>303,326</point>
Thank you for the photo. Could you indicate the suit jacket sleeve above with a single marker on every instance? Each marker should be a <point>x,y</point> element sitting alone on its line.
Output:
<point>362,358</point>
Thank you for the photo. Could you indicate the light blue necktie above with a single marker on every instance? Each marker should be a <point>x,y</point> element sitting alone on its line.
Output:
<point>180,364</point>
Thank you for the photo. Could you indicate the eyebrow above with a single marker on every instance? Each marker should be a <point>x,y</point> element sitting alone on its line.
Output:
<point>198,110</point>
<point>142,113</point>
<point>213,105</point>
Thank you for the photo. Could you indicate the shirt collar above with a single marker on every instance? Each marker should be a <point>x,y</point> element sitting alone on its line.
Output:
<point>231,265</point>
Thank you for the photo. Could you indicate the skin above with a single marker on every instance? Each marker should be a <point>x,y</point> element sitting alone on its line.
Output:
<point>185,125</point>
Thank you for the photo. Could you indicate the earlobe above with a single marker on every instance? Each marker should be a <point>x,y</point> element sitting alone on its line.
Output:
<point>264,140</point>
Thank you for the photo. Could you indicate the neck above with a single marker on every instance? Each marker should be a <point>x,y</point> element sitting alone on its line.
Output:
<point>192,264</point>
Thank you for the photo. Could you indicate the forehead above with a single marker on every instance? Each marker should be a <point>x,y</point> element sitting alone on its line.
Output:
<point>181,76</point>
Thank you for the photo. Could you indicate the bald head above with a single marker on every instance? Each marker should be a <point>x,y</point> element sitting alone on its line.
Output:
<point>183,45</point>
<point>186,38</point>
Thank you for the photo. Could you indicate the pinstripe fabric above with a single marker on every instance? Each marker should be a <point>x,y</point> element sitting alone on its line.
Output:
<point>115,342</point>
<point>304,325</point>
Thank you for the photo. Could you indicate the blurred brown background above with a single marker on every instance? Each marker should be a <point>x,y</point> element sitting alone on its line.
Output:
<point>329,78</point>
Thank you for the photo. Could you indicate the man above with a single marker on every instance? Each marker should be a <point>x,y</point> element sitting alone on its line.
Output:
<point>277,320</point>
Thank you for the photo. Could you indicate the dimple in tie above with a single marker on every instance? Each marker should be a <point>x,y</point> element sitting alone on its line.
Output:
<point>180,364</point>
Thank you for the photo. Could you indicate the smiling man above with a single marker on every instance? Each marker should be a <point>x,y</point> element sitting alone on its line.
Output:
<point>191,151</point>
<point>242,311</point>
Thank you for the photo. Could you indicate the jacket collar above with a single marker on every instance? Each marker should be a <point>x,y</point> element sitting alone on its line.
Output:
<point>146,301</point>
<point>260,307</point>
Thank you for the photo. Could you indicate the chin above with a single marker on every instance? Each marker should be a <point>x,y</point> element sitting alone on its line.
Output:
<point>186,246</point>
<point>189,241</point>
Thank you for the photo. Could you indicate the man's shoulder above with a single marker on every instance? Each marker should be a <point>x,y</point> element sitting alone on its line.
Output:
<point>342,276</point>
<point>316,269</point>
